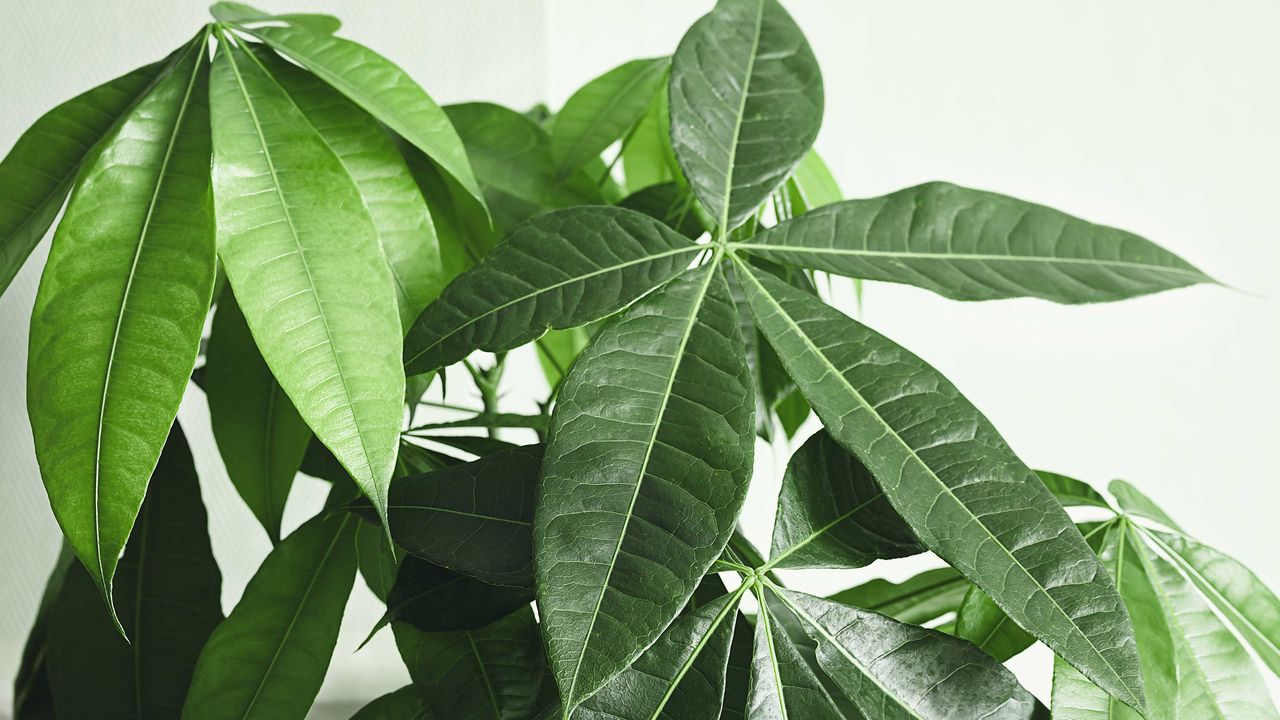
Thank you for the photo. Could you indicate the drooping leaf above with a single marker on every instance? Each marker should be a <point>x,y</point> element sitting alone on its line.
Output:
<point>383,90</point>
<point>973,245</point>
<point>917,600</point>
<point>1072,492</point>
<point>392,199</point>
<point>831,512</point>
<point>493,673</point>
<point>602,111</point>
<point>646,467</point>
<point>783,684</point>
<point>464,230</point>
<point>403,704</point>
<point>475,518</point>
<point>954,480</point>
<point>260,435</point>
<point>169,602</point>
<point>983,623</point>
<point>893,670</point>
<point>435,599</point>
<point>1134,502</point>
<point>39,170</point>
<point>746,104</point>
<point>559,270</point>
<point>682,677</point>
<point>670,204</point>
<point>303,258</point>
<point>1247,604</point>
<point>239,13</point>
<point>117,320</point>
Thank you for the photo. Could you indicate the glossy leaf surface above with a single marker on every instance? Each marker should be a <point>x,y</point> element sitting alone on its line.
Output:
<point>646,468</point>
<point>1072,492</point>
<point>239,13</point>
<point>560,270</point>
<point>602,111</point>
<point>117,320</point>
<point>746,103</point>
<point>973,245</point>
<point>831,512</point>
<point>303,258</point>
<point>783,683</point>
<point>954,480</point>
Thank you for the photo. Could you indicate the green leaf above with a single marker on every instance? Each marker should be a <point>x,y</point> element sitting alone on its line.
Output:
<point>811,185</point>
<point>1247,604</point>
<point>269,657</point>
<point>1071,492</point>
<point>403,704</point>
<point>783,684</point>
<point>260,435</point>
<point>488,420</point>
<point>169,601</point>
<point>464,230</point>
<point>559,270</point>
<point>32,696</point>
<point>1134,502</point>
<point>558,350</point>
<point>647,464</point>
<point>375,166</point>
<point>831,513</point>
<point>746,104</point>
<point>302,256</point>
<point>893,670</point>
<point>983,623</point>
<point>955,481</point>
<point>383,90</point>
<point>1216,678</point>
<point>475,518</point>
<point>378,566</point>
<point>670,204</point>
<point>648,159</point>
<point>602,111</point>
<point>682,677</point>
<point>973,245</point>
<point>239,14</point>
<point>117,320</point>
<point>917,600</point>
<point>434,599</point>
<point>493,673</point>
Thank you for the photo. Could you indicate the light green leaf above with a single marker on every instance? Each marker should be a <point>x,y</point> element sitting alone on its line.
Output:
<point>269,657</point>
<point>917,600</point>
<point>648,158</point>
<point>117,320</point>
<point>239,13</point>
<point>559,270</point>
<point>403,704</point>
<point>260,435</point>
<point>746,104</point>
<point>647,465</point>
<point>1134,502</point>
<point>954,480</point>
<point>973,245</point>
<point>169,600</point>
<point>831,513</point>
<point>602,111</point>
<point>983,623</point>
<point>783,685</point>
<point>893,670</point>
<point>1071,492</point>
<point>381,88</point>
<point>302,256</point>
<point>811,185</point>
<point>1249,605</point>
<point>38,171</point>
<point>392,199</point>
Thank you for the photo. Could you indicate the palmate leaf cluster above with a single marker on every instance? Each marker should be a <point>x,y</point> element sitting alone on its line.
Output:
<point>660,241</point>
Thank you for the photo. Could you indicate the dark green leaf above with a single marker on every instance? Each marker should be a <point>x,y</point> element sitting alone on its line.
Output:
<point>117,320</point>
<point>558,350</point>
<point>783,683</point>
<point>670,204</point>
<point>983,623</point>
<point>384,90</point>
<point>403,704</point>
<point>434,599</point>
<point>954,480</point>
<point>473,444</point>
<point>302,255</point>
<point>559,270</point>
<point>602,111</point>
<point>38,172</point>
<point>918,600</point>
<point>973,245</point>
<point>260,435</point>
<point>169,602</point>
<point>647,465</point>
<point>269,657</point>
<point>463,228</point>
<point>1071,492</point>
<point>475,518</point>
<point>831,513</point>
<point>488,420</point>
<point>1134,502</point>
<point>32,696</point>
<point>239,13</point>
<point>746,103</point>
<point>378,566</point>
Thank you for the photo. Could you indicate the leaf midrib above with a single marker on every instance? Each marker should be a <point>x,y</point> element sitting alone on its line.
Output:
<point>929,471</point>
<point>738,118</point>
<point>730,606</point>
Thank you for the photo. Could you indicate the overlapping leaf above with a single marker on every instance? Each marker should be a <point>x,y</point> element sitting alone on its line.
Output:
<point>602,111</point>
<point>403,704</point>
<point>646,468</point>
<point>917,600</point>
<point>953,479</point>
<point>239,13</point>
<point>783,683</point>
<point>117,320</point>
<point>973,245</point>
<point>435,599</point>
<point>983,623</point>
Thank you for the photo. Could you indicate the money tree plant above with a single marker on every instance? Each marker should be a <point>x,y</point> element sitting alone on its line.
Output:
<point>665,243</point>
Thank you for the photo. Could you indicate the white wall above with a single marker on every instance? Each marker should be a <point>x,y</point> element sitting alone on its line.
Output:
<point>1157,117</point>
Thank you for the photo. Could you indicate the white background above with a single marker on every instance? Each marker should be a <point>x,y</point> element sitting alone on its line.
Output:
<point>1159,117</point>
